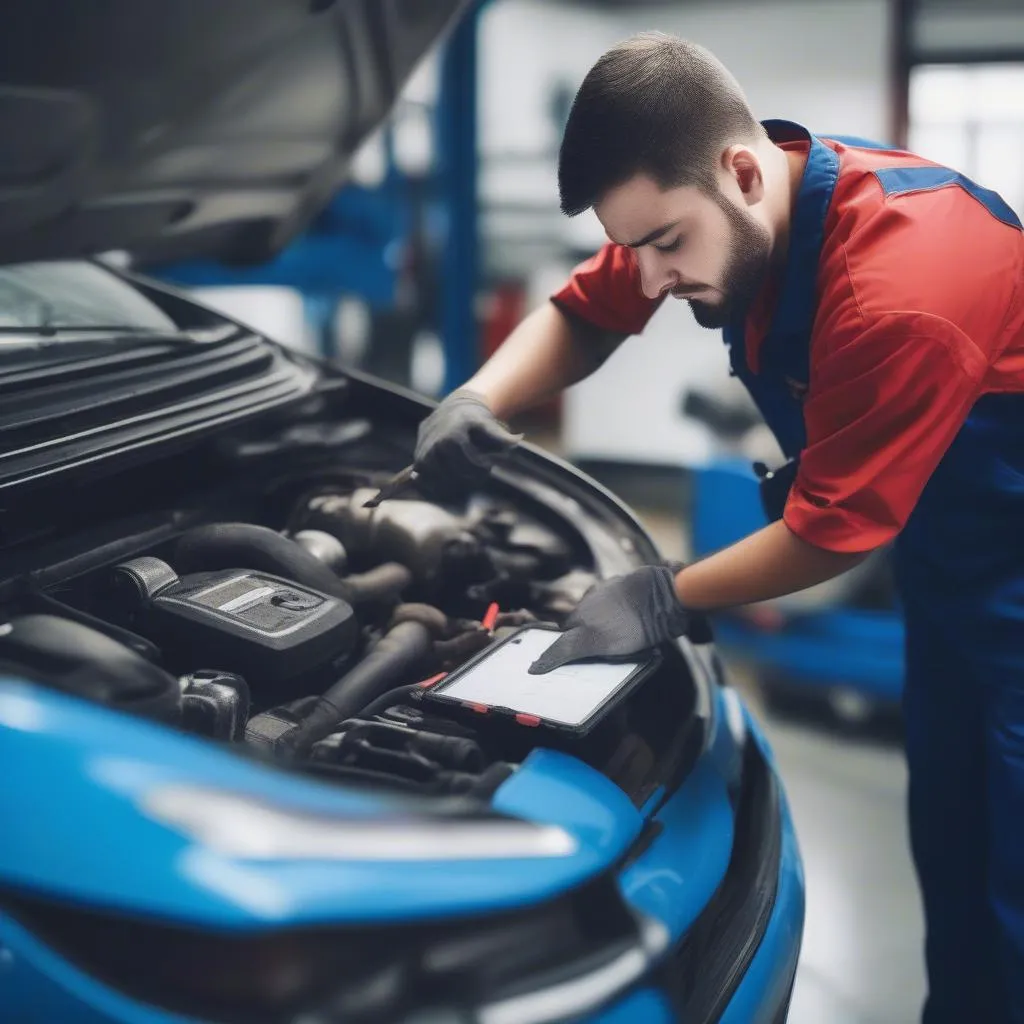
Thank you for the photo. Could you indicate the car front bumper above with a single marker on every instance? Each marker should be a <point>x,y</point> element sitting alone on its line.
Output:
<point>736,962</point>
<point>722,874</point>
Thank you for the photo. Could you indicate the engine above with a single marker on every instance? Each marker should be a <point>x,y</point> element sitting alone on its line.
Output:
<point>309,641</point>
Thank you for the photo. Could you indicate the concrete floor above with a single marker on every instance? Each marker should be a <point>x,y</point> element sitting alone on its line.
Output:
<point>861,961</point>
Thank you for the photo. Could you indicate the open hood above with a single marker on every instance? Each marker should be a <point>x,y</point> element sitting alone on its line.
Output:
<point>186,129</point>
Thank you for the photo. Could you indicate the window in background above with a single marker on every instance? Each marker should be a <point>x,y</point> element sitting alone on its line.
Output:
<point>971,117</point>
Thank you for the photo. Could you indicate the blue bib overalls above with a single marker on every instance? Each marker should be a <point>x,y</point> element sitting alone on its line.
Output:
<point>960,572</point>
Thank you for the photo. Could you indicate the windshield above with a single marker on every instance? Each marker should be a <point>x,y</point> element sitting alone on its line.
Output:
<point>69,295</point>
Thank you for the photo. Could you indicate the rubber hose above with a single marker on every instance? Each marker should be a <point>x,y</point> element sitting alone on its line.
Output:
<point>387,699</point>
<point>433,618</point>
<point>243,545</point>
<point>400,650</point>
<point>456,752</point>
<point>427,615</point>
<point>450,653</point>
<point>382,584</point>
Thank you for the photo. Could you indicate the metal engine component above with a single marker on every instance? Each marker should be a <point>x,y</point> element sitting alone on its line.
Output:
<point>427,539</point>
<point>324,546</point>
<point>215,704</point>
<point>492,553</point>
<point>520,539</point>
<point>415,758</point>
<point>559,597</point>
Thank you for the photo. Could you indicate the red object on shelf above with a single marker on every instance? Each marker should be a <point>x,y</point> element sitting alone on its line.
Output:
<point>505,306</point>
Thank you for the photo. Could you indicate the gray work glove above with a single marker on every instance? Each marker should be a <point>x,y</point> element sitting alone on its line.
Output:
<point>618,617</point>
<point>458,443</point>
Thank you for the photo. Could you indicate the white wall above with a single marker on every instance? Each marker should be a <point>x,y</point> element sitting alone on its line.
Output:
<point>528,48</point>
<point>822,63</point>
<point>525,47</point>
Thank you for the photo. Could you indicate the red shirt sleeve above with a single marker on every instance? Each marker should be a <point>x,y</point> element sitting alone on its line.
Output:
<point>886,399</point>
<point>605,291</point>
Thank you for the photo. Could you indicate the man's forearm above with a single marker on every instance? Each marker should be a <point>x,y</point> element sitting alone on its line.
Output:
<point>545,354</point>
<point>770,563</point>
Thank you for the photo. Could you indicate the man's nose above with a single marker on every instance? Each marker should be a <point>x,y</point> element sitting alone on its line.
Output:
<point>655,277</point>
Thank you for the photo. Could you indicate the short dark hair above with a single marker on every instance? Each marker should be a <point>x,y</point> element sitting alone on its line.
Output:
<point>652,104</point>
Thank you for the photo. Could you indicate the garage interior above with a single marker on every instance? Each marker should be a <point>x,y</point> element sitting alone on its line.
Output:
<point>947,78</point>
<point>448,232</point>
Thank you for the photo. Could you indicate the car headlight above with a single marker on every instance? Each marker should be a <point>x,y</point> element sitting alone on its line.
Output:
<point>545,963</point>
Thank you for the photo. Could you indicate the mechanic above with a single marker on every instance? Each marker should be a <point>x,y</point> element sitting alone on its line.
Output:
<point>871,302</point>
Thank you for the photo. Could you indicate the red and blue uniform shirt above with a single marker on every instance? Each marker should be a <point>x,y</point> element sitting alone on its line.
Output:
<point>894,327</point>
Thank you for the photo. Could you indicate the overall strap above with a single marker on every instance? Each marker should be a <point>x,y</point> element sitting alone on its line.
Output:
<point>778,381</point>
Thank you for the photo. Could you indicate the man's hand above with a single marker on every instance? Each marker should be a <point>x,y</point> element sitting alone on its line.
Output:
<point>618,617</point>
<point>458,443</point>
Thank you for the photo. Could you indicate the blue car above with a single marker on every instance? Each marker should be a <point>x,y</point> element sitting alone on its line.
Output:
<point>229,796</point>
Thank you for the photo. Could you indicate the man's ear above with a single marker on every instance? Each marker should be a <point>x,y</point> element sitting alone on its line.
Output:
<point>742,164</point>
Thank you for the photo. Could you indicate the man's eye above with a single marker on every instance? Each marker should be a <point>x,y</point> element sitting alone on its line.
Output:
<point>670,246</point>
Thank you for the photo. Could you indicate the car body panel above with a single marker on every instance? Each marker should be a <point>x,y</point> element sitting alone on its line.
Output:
<point>101,766</point>
<point>671,880</point>
<point>91,773</point>
<point>767,983</point>
<point>40,985</point>
<point>645,1006</point>
<point>554,788</point>
<point>674,878</point>
<point>763,992</point>
<point>244,129</point>
<point>95,770</point>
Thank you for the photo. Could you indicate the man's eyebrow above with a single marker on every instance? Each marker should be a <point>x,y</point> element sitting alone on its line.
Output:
<point>651,236</point>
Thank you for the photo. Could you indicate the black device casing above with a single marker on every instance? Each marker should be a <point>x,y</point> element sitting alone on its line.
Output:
<point>649,663</point>
<point>268,629</point>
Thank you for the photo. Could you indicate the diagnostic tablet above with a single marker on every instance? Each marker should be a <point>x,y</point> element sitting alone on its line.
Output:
<point>573,697</point>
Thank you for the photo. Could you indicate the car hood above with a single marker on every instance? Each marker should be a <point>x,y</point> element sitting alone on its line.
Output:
<point>191,128</point>
<point>199,835</point>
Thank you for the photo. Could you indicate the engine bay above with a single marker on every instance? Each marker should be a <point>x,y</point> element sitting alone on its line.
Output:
<point>304,635</point>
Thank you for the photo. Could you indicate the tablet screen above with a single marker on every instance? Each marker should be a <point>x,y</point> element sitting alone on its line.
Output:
<point>568,695</point>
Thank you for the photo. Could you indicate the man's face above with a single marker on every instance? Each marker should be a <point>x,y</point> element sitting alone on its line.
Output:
<point>704,249</point>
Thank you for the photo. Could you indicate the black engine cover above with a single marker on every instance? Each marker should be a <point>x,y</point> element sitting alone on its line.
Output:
<point>272,631</point>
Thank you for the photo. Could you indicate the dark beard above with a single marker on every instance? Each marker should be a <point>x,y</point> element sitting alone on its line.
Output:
<point>745,273</point>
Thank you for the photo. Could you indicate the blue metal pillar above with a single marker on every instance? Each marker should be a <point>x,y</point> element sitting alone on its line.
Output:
<point>457,158</point>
